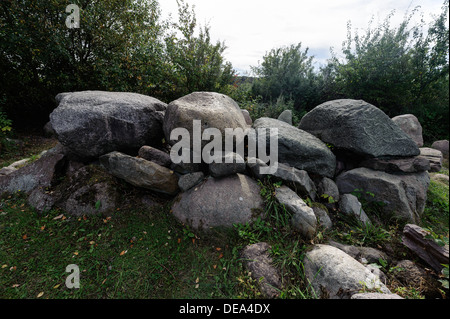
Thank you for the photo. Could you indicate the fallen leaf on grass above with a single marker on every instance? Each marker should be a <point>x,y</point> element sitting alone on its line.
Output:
<point>196,281</point>
<point>123,252</point>
<point>58,217</point>
<point>57,286</point>
<point>40,294</point>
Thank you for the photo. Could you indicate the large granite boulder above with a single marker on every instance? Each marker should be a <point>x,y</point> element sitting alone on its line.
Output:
<point>411,126</point>
<point>403,195</point>
<point>359,128</point>
<point>141,173</point>
<point>335,275</point>
<point>220,202</point>
<point>298,148</point>
<point>214,110</point>
<point>92,123</point>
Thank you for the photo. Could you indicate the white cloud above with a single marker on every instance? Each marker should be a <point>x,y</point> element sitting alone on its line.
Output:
<point>250,28</point>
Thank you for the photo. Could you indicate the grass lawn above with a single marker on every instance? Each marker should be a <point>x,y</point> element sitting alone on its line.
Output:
<point>132,254</point>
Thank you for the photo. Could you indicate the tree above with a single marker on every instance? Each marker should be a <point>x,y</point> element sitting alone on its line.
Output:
<point>121,45</point>
<point>377,67</point>
<point>287,72</point>
<point>194,63</point>
<point>41,57</point>
<point>430,58</point>
<point>400,70</point>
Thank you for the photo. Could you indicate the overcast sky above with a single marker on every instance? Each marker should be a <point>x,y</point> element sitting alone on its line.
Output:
<point>250,28</point>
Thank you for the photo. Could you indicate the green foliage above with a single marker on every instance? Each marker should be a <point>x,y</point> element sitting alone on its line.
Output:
<point>120,46</point>
<point>444,281</point>
<point>195,64</point>
<point>328,198</point>
<point>436,213</point>
<point>134,253</point>
<point>354,232</point>
<point>5,128</point>
<point>287,72</point>
<point>400,70</point>
<point>287,251</point>
<point>5,125</point>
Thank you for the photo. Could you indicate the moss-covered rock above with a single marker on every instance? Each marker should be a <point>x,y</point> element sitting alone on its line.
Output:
<point>90,190</point>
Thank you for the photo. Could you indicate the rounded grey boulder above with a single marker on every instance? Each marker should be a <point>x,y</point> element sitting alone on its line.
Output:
<point>214,110</point>
<point>92,123</point>
<point>358,127</point>
<point>441,146</point>
<point>220,202</point>
<point>335,275</point>
<point>411,126</point>
<point>402,194</point>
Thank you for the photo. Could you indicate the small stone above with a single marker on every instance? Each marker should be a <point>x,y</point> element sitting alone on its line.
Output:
<point>286,116</point>
<point>157,156</point>
<point>229,164</point>
<point>350,205</point>
<point>186,182</point>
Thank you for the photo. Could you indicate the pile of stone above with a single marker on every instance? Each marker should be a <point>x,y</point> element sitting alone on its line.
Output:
<point>339,147</point>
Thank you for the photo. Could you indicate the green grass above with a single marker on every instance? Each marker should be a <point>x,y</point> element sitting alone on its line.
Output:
<point>436,215</point>
<point>134,254</point>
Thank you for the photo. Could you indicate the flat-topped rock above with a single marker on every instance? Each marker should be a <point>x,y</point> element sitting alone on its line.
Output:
<point>92,123</point>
